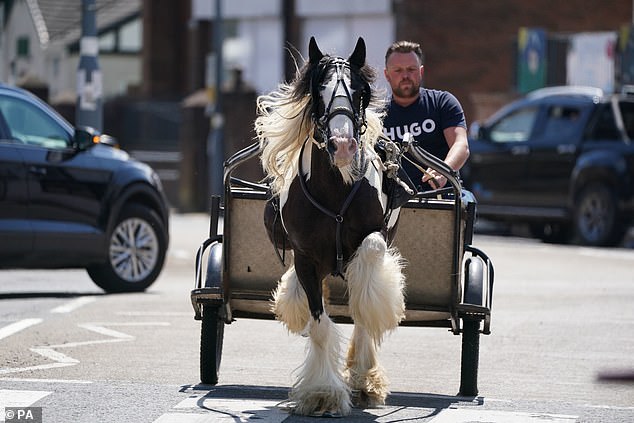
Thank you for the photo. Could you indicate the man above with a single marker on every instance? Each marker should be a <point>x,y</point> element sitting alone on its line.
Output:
<point>435,118</point>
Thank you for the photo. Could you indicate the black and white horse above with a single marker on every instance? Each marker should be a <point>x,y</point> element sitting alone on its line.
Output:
<point>317,136</point>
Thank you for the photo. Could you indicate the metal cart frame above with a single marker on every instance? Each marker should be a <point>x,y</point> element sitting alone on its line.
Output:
<point>449,281</point>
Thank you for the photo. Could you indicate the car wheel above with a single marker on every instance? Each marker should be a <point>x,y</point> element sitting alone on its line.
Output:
<point>136,252</point>
<point>596,220</point>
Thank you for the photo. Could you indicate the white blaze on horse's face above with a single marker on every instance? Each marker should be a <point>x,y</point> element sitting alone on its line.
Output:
<point>340,125</point>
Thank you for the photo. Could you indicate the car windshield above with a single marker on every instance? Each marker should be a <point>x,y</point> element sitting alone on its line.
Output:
<point>515,127</point>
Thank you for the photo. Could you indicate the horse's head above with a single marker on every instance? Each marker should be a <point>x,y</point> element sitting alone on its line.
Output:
<point>340,90</point>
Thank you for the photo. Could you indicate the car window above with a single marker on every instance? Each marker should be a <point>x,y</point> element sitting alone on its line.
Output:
<point>515,127</point>
<point>604,127</point>
<point>562,122</point>
<point>30,125</point>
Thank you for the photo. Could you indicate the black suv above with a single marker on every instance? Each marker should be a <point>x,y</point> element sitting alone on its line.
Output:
<point>562,160</point>
<point>71,198</point>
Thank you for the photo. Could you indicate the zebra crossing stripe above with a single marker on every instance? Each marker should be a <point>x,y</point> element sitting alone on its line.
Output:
<point>472,415</point>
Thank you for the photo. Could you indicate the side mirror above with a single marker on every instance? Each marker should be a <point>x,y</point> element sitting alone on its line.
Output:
<point>85,137</point>
<point>483,133</point>
<point>108,140</point>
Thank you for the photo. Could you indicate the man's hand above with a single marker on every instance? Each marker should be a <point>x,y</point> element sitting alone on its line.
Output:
<point>435,179</point>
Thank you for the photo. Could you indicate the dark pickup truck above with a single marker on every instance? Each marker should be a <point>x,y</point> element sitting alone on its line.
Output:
<point>560,160</point>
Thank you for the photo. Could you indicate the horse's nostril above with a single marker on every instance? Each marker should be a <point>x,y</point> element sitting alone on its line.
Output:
<point>352,145</point>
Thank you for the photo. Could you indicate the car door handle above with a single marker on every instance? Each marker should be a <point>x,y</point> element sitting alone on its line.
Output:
<point>36,170</point>
<point>566,148</point>
<point>520,150</point>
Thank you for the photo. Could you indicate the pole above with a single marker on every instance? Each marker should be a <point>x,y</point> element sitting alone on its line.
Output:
<point>215,140</point>
<point>89,110</point>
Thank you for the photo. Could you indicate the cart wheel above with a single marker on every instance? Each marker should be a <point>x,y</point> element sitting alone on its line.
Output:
<point>470,358</point>
<point>212,332</point>
<point>474,280</point>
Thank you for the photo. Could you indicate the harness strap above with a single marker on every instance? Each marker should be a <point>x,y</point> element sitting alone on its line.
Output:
<point>278,215</point>
<point>338,217</point>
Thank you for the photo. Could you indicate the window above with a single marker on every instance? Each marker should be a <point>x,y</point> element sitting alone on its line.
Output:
<point>130,36</point>
<point>22,47</point>
<point>562,122</point>
<point>516,127</point>
<point>627,111</point>
<point>30,125</point>
<point>604,127</point>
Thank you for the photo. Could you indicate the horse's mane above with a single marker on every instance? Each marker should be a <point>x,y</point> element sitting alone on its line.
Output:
<point>284,121</point>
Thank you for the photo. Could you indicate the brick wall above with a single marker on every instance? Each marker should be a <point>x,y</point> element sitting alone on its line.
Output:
<point>469,45</point>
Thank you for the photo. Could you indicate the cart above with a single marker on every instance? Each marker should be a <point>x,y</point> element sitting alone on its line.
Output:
<point>449,282</point>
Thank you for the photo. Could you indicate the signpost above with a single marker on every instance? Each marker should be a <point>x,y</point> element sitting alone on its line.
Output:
<point>89,111</point>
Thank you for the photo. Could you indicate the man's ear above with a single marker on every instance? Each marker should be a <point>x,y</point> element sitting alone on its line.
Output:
<point>422,70</point>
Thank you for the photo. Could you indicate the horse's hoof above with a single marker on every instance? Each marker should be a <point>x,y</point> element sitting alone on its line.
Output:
<point>363,399</point>
<point>359,399</point>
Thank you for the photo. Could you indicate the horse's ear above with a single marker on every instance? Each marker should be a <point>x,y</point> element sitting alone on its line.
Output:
<point>314,54</point>
<point>357,58</point>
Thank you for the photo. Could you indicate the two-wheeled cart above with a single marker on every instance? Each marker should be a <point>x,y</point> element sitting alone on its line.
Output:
<point>449,281</point>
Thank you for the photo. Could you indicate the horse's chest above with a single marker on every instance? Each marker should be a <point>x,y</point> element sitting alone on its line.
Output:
<point>307,224</point>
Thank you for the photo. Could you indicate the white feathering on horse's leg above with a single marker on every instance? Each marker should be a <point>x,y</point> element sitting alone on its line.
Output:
<point>363,374</point>
<point>377,305</point>
<point>376,284</point>
<point>320,388</point>
<point>290,304</point>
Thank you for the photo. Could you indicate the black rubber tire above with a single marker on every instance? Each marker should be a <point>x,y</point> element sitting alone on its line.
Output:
<point>470,358</point>
<point>150,241</point>
<point>596,218</point>
<point>211,336</point>
<point>474,280</point>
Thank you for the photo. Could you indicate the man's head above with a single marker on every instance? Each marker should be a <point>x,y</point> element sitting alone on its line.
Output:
<point>404,70</point>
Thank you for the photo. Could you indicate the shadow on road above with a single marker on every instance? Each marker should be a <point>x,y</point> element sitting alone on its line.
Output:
<point>46,294</point>
<point>271,401</point>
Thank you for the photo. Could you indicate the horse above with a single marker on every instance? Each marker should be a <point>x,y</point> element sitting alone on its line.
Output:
<point>317,137</point>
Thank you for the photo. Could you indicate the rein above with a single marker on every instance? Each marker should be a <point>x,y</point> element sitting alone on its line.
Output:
<point>338,217</point>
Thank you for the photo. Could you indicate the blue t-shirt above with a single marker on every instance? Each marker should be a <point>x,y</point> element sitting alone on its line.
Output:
<point>425,119</point>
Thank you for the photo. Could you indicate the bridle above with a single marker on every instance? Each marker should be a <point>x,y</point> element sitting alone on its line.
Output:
<point>322,128</point>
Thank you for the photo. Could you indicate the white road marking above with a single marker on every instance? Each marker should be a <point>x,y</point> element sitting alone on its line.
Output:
<point>192,418</point>
<point>53,355</point>
<point>62,360</point>
<point>21,379</point>
<point>18,326</point>
<point>609,407</point>
<point>13,398</point>
<point>472,415</point>
<point>154,313</point>
<point>224,409</point>
<point>73,305</point>
<point>37,367</point>
<point>102,330</point>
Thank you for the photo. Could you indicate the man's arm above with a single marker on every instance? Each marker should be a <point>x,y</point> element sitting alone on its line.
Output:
<point>457,156</point>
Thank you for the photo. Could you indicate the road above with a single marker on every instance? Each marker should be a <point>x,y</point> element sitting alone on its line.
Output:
<point>562,315</point>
